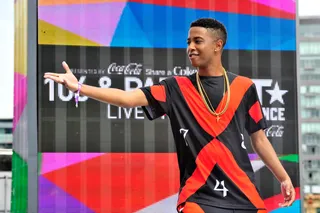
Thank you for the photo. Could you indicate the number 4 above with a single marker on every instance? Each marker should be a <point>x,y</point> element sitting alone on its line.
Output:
<point>223,189</point>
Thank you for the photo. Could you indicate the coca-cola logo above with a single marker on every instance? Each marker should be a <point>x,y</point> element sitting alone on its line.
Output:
<point>129,69</point>
<point>274,131</point>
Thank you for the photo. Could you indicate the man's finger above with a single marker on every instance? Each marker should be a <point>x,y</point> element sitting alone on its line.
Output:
<point>284,204</point>
<point>66,67</point>
<point>292,198</point>
<point>51,74</point>
<point>290,201</point>
<point>56,79</point>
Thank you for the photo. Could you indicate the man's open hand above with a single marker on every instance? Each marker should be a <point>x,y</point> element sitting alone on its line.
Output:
<point>67,79</point>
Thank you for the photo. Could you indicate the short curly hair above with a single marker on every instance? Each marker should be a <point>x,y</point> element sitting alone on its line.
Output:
<point>214,25</point>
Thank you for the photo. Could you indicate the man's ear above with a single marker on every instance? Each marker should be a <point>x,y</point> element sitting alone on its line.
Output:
<point>219,45</point>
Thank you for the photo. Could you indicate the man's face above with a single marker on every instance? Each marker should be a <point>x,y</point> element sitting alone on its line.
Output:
<point>201,46</point>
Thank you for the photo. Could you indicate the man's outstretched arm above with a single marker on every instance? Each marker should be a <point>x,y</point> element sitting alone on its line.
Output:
<point>264,149</point>
<point>111,96</point>
<point>116,97</point>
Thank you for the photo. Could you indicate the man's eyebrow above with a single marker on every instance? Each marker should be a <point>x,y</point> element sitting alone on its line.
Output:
<point>196,37</point>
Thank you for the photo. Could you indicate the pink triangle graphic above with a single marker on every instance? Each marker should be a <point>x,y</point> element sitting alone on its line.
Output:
<point>20,96</point>
<point>96,22</point>
<point>284,5</point>
<point>54,161</point>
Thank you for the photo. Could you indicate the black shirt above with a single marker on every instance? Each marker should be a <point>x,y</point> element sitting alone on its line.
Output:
<point>214,165</point>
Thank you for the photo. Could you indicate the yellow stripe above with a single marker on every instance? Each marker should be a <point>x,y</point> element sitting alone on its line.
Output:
<point>20,37</point>
<point>52,35</point>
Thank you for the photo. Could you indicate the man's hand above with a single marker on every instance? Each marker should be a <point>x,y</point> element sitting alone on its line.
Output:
<point>264,149</point>
<point>288,193</point>
<point>113,96</point>
<point>67,79</point>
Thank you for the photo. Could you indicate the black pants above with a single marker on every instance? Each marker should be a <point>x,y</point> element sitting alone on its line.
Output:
<point>190,207</point>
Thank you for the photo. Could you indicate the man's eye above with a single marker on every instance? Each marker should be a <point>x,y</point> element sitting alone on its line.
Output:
<point>198,41</point>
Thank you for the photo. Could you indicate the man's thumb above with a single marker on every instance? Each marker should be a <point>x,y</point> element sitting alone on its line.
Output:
<point>66,67</point>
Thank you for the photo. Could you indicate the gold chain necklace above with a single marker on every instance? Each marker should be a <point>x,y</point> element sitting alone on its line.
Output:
<point>206,98</point>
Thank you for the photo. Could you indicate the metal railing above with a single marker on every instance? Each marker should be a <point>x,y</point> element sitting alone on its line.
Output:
<point>5,193</point>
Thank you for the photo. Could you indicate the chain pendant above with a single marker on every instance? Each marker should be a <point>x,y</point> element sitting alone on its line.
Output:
<point>218,118</point>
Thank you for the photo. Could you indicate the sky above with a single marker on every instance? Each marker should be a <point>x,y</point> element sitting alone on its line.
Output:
<point>309,7</point>
<point>6,59</point>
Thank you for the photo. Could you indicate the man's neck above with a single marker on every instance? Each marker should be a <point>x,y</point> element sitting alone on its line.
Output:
<point>213,70</point>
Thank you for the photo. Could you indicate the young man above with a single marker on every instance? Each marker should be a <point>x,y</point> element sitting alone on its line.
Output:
<point>209,112</point>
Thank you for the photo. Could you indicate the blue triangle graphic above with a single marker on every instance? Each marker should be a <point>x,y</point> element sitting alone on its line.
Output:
<point>287,45</point>
<point>296,206</point>
<point>149,25</point>
<point>128,32</point>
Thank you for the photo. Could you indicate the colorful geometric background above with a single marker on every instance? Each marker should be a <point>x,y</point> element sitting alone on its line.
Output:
<point>145,182</point>
<point>20,144</point>
<point>251,24</point>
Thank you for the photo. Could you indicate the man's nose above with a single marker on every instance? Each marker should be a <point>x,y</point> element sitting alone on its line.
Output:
<point>191,46</point>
